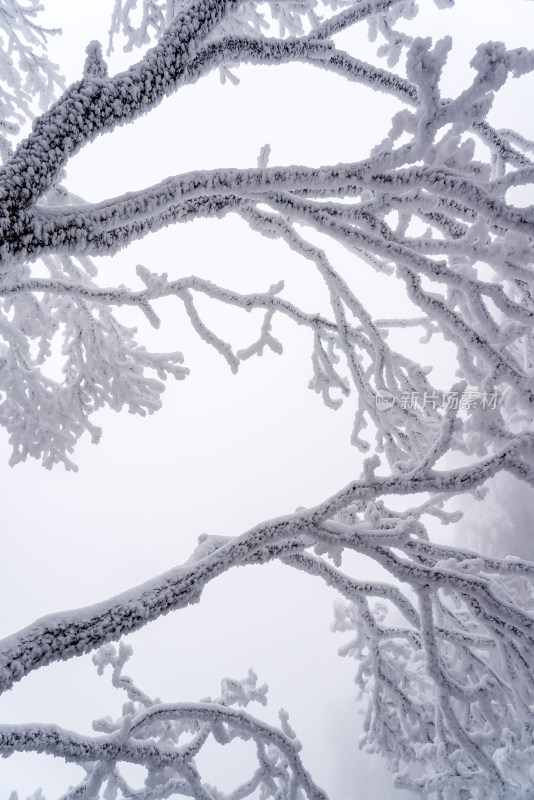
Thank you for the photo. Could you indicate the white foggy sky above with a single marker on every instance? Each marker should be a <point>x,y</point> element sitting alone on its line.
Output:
<point>225,452</point>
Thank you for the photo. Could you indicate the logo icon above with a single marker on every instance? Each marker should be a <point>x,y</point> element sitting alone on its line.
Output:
<point>384,400</point>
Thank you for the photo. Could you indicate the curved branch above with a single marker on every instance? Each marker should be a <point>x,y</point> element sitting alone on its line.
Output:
<point>58,637</point>
<point>134,214</point>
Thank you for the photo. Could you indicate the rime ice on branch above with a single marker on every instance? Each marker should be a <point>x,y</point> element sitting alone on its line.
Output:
<point>445,649</point>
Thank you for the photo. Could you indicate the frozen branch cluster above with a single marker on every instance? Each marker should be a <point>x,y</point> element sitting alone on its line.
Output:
<point>25,71</point>
<point>165,739</point>
<point>445,649</point>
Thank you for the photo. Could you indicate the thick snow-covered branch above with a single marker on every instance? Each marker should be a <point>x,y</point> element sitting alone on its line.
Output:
<point>448,192</point>
<point>79,230</point>
<point>64,635</point>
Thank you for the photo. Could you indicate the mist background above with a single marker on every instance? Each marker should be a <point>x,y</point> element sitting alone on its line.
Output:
<point>225,452</point>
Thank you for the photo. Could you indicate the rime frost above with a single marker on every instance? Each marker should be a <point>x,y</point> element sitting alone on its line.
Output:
<point>444,651</point>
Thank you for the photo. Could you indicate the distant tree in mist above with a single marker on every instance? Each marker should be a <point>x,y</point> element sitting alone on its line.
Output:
<point>444,651</point>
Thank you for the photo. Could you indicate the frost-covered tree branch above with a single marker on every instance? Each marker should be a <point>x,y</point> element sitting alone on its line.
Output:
<point>444,649</point>
<point>166,739</point>
<point>193,41</point>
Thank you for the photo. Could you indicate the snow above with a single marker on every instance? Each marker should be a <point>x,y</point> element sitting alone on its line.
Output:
<point>444,653</point>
